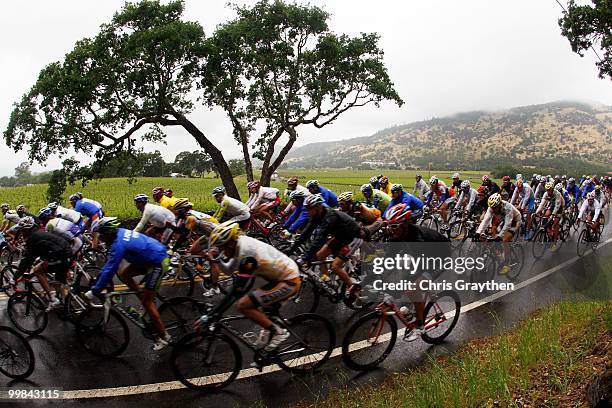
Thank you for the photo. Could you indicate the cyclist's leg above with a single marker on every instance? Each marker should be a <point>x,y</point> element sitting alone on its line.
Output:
<point>342,255</point>
<point>322,254</point>
<point>127,271</point>
<point>151,283</point>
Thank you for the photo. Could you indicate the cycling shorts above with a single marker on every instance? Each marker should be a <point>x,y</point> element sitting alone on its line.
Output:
<point>344,250</point>
<point>154,275</point>
<point>270,204</point>
<point>531,207</point>
<point>58,268</point>
<point>274,292</point>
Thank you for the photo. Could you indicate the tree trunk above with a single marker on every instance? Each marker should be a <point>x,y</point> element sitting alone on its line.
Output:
<point>248,165</point>
<point>215,154</point>
<point>266,174</point>
<point>265,168</point>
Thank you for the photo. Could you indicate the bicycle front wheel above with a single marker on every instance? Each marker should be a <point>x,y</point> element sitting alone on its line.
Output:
<point>310,344</point>
<point>369,341</point>
<point>178,315</point>
<point>103,338</point>
<point>16,355</point>
<point>206,362</point>
<point>441,316</point>
<point>583,244</point>
<point>539,241</point>
<point>27,312</point>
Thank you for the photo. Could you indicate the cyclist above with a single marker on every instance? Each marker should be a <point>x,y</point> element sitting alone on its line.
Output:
<point>384,185</point>
<point>507,187</point>
<point>169,193</point>
<point>456,186</point>
<point>190,221</point>
<point>248,259</point>
<point>587,186</point>
<point>534,181</point>
<point>293,185</point>
<point>299,217</point>
<point>490,184</point>
<point>53,250</point>
<point>501,211</point>
<point>600,196</point>
<point>590,211</point>
<point>329,196</point>
<point>368,217</point>
<point>443,195</point>
<point>573,190</point>
<point>67,214</point>
<point>346,238</point>
<point>421,188</point>
<point>402,227</point>
<point>230,209</point>
<point>161,219</point>
<point>67,230</point>
<point>553,203</point>
<point>567,200</point>
<point>10,217</point>
<point>374,182</point>
<point>539,190</point>
<point>524,199</point>
<point>467,197</point>
<point>132,254</point>
<point>88,208</point>
<point>160,197</point>
<point>375,198</point>
<point>400,196</point>
<point>263,200</point>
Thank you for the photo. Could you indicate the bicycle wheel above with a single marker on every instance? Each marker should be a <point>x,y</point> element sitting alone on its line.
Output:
<point>178,315</point>
<point>105,339</point>
<point>206,362</point>
<point>429,222</point>
<point>517,261</point>
<point>363,346</point>
<point>305,301</point>
<point>583,244</point>
<point>178,287</point>
<point>274,236</point>
<point>457,231</point>
<point>441,315</point>
<point>16,355</point>
<point>309,346</point>
<point>539,241</point>
<point>27,312</point>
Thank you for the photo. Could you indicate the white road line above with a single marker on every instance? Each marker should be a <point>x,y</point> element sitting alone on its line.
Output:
<point>253,372</point>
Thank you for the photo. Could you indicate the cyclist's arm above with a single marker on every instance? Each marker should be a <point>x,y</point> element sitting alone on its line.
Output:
<point>221,210</point>
<point>110,268</point>
<point>559,200</point>
<point>301,221</point>
<point>597,211</point>
<point>146,214</point>
<point>443,197</point>
<point>508,217</point>
<point>472,200</point>
<point>486,222</point>
<point>292,218</point>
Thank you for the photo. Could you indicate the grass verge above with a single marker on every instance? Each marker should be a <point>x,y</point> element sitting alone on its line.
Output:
<point>547,360</point>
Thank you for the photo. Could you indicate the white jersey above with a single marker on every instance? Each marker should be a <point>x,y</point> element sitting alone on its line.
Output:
<point>590,208</point>
<point>231,209</point>
<point>155,215</point>
<point>524,195</point>
<point>12,216</point>
<point>420,189</point>
<point>556,199</point>
<point>68,214</point>
<point>470,197</point>
<point>63,228</point>
<point>264,195</point>
<point>510,215</point>
<point>272,264</point>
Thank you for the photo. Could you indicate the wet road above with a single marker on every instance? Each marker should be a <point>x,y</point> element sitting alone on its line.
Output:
<point>62,362</point>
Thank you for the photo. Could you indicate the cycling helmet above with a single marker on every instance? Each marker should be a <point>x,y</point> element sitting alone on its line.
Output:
<point>157,192</point>
<point>45,213</point>
<point>20,208</point>
<point>455,176</point>
<point>384,180</point>
<point>494,200</point>
<point>141,198</point>
<point>433,181</point>
<point>535,175</point>
<point>571,180</point>
<point>293,181</point>
<point>169,193</point>
<point>297,195</point>
<point>557,177</point>
<point>598,187</point>
<point>587,181</point>
<point>559,187</point>
<point>482,190</point>
<point>519,183</point>
<point>75,197</point>
<point>223,233</point>
<point>506,178</point>
<point>182,204</point>
<point>52,206</point>
<point>314,200</point>
<point>397,187</point>
<point>218,190</point>
<point>25,223</point>
<point>564,177</point>
<point>548,185</point>
<point>312,184</point>
<point>485,178</point>
<point>373,180</point>
<point>253,184</point>
<point>519,176</point>
<point>106,225</point>
<point>5,206</point>
<point>418,176</point>
<point>465,184</point>
<point>366,188</point>
<point>398,214</point>
<point>538,178</point>
<point>591,195</point>
<point>346,197</point>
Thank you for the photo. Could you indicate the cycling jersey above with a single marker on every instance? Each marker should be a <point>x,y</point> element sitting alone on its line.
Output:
<point>156,215</point>
<point>89,208</point>
<point>587,189</point>
<point>556,201</point>
<point>587,208</point>
<point>508,188</point>
<point>470,197</point>
<point>574,192</point>
<point>378,199</point>
<point>272,264</point>
<point>442,193</point>
<point>508,213</point>
<point>539,190</point>
<point>601,197</point>
<point>200,222</point>
<point>524,194</point>
<point>456,186</point>
<point>12,216</point>
<point>44,245</point>
<point>167,202</point>
<point>420,188</point>
<point>262,196</point>
<point>298,218</point>
<point>386,189</point>
<point>493,187</point>
<point>329,196</point>
<point>135,248</point>
<point>566,198</point>
<point>232,210</point>
<point>68,214</point>
<point>411,201</point>
<point>63,227</point>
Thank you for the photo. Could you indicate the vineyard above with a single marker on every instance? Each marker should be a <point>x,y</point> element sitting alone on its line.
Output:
<point>116,194</point>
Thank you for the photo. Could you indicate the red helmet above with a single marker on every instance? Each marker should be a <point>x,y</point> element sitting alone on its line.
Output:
<point>157,193</point>
<point>384,180</point>
<point>253,184</point>
<point>482,190</point>
<point>292,182</point>
<point>398,214</point>
<point>506,178</point>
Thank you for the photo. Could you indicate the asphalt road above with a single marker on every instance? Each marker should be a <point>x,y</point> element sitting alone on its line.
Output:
<point>140,376</point>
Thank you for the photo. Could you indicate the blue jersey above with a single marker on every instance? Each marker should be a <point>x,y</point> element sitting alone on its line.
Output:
<point>411,201</point>
<point>587,189</point>
<point>298,219</point>
<point>443,194</point>
<point>88,208</point>
<point>575,192</point>
<point>135,248</point>
<point>329,196</point>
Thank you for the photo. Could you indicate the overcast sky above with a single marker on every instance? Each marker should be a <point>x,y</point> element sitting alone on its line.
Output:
<point>443,56</point>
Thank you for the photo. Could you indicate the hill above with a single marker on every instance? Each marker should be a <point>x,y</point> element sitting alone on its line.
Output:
<point>563,135</point>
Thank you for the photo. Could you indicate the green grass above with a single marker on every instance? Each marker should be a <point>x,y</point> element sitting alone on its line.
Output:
<point>116,194</point>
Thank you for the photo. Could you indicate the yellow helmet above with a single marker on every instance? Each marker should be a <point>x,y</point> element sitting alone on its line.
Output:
<point>223,233</point>
<point>494,200</point>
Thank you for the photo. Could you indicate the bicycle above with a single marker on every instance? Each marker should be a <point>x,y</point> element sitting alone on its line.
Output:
<point>492,252</point>
<point>589,239</point>
<point>17,359</point>
<point>262,228</point>
<point>363,345</point>
<point>543,237</point>
<point>431,219</point>
<point>211,359</point>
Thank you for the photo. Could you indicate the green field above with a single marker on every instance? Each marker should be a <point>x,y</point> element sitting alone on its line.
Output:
<point>116,194</point>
